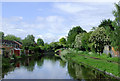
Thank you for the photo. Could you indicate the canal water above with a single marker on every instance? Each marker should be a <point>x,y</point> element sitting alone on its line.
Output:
<point>49,67</point>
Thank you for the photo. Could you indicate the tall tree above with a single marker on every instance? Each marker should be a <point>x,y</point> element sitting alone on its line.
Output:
<point>72,34</point>
<point>99,38</point>
<point>116,13</point>
<point>82,41</point>
<point>78,43</point>
<point>40,42</point>
<point>115,33</point>
<point>106,23</point>
<point>1,35</point>
<point>28,41</point>
<point>62,40</point>
<point>46,47</point>
<point>12,37</point>
<point>85,41</point>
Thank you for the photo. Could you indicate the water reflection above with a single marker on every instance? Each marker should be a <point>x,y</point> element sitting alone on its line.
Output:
<point>49,67</point>
<point>81,72</point>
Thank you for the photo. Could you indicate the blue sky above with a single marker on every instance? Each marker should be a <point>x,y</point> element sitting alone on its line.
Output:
<point>52,20</point>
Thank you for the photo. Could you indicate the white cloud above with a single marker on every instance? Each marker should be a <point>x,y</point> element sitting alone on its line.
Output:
<point>39,18</point>
<point>48,28</point>
<point>54,18</point>
<point>40,36</point>
<point>47,37</point>
<point>86,15</point>
<point>53,24</point>
<point>52,27</point>
<point>73,7</point>
<point>13,19</point>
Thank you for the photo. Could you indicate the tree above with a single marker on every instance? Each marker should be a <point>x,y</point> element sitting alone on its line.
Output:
<point>100,39</point>
<point>93,28</point>
<point>78,43</point>
<point>116,13</point>
<point>28,41</point>
<point>85,43</point>
<point>1,35</point>
<point>40,42</point>
<point>72,34</point>
<point>46,47</point>
<point>12,37</point>
<point>62,40</point>
<point>55,45</point>
<point>115,34</point>
<point>82,41</point>
<point>106,23</point>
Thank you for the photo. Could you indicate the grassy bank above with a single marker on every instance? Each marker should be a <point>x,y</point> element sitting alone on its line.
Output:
<point>96,55</point>
<point>102,65</point>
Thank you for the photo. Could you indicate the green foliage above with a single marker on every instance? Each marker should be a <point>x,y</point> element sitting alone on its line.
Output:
<point>99,38</point>
<point>78,43</point>
<point>42,47</point>
<point>1,35</point>
<point>46,47</point>
<point>40,42</point>
<point>109,55</point>
<point>28,41</point>
<point>82,41</point>
<point>55,45</point>
<point>23,55</point>
<point>31,48</point>
<point>62,41</point>
<point>90,54</point>
<point>116,13</point>
<point>36,49</point>
<point>115,34</point>
<point>85,41</point>
<point>106,23</point>
<point>103,65</point>
<point>5,62</point>
<point>12,37</point>
<point>14,56</point>
<point>72,34</point>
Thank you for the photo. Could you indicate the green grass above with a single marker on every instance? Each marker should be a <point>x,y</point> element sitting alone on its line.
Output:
<point>29,55</point>
<point>91,54</point>
<point>100,64</point>
<point>18,57</point>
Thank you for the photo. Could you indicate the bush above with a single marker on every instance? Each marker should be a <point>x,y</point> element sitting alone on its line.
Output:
<point>109,55</point>
<point>23,55</point>
<point>5,62</point>
<point>13,56</point>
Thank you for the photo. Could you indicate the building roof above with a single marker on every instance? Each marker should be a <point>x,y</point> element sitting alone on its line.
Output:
<point>10,42</point>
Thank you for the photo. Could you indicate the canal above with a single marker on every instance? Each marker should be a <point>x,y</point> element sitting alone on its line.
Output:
<point>49,67</point>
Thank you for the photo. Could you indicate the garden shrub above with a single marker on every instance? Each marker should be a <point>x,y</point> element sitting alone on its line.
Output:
<point>14,56</point>
<point>109,55</point>
<point>23,55</point>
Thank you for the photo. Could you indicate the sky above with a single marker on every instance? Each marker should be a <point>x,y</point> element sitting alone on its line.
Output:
<point>52,20</point>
